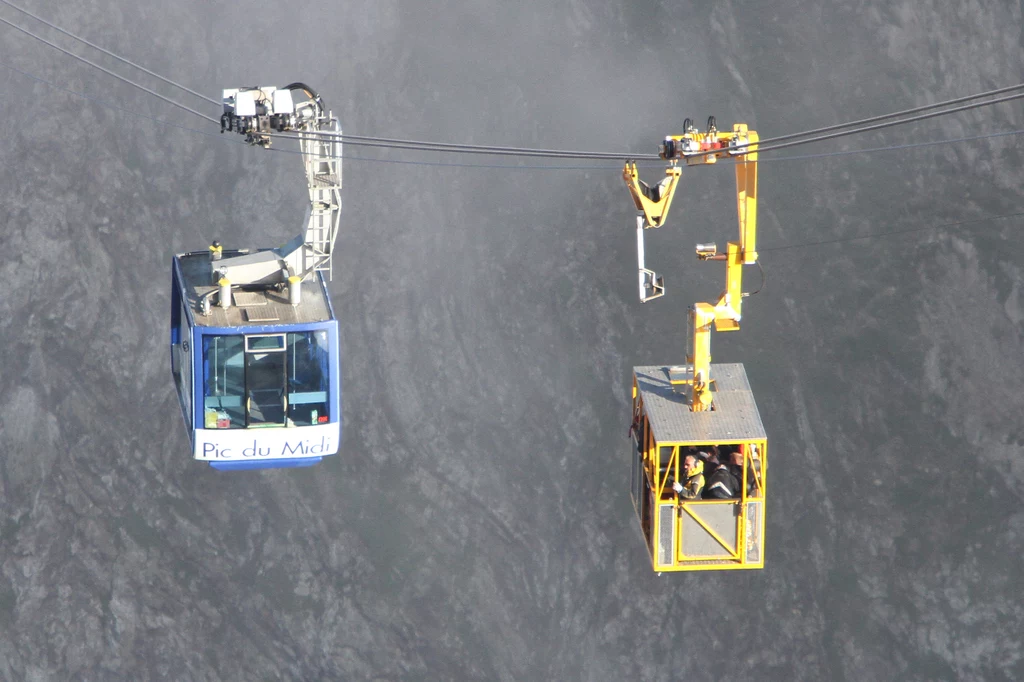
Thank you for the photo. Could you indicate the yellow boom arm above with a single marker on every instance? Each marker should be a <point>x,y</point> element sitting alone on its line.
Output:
<point>653,202</point>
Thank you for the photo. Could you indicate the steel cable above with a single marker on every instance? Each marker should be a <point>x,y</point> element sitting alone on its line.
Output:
<point>108,72</point>
<point>111,54</point>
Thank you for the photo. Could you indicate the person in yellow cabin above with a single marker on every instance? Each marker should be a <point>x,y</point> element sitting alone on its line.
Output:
<point>693,484</point>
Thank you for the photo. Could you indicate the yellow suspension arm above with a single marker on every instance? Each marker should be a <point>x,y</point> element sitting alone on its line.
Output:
<point>698,148</point>
<point>654,201</point>
<point>727,311</point>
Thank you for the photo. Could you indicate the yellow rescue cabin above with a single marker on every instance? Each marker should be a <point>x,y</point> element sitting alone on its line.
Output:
<point>698,534</point>
<point>700,452</point>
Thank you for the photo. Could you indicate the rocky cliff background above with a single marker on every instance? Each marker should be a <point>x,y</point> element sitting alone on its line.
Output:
<point>477,523</point>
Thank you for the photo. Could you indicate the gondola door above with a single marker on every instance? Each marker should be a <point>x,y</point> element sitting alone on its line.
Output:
<point>266,375</point>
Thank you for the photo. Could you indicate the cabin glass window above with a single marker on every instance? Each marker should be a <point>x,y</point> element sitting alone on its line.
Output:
<point>265,378</point>
<point>255,373</point>
<point>308,377</point>
<point>224,382</point>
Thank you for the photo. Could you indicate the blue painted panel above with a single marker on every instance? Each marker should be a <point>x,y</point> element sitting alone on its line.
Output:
<point>266,464</point>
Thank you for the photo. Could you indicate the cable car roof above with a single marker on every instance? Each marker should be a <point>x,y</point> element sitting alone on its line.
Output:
<point>734,419</point>
<point>250,308</point>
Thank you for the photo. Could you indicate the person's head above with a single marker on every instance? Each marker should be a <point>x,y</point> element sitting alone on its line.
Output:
<point>737,458</point>
<point>690,465</point>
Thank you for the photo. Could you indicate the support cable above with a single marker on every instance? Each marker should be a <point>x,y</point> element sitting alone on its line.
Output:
<point>768,146</point>
<point>108,72</point>
<point>787,247</point>
<point>116,107</point>
<point>111,54</point>
<point>895,147</point>
<point>601,168</point>
<point>443,147</point>
<point>764,145</point>
<point>882,117</point>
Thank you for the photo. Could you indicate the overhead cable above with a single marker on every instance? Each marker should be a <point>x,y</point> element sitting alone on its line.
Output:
<point>882,117</point>
<point>108,72</point>
<point>600,168</point>
<point>111,54</point>
<point>444,147</point>
<point>355,140</point>
<point>895,147</point>
<point>769,147</point>
<point>115,107</point>
<point>764,145</point>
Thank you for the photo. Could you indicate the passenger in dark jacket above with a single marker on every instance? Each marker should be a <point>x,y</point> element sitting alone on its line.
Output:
<point>736,467</point>
<point>722,485</point>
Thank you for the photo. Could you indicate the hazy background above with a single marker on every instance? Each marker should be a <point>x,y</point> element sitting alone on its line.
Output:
<point>477,522</point>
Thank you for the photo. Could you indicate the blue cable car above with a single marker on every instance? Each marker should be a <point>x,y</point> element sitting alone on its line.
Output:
<point>254,340</point>
<point>258,379</point>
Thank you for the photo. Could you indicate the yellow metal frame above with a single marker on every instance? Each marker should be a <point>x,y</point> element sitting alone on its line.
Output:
<point>736,557</point>
<point>654,200</point>
<point>747,530</point>
<point>698,148</point>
